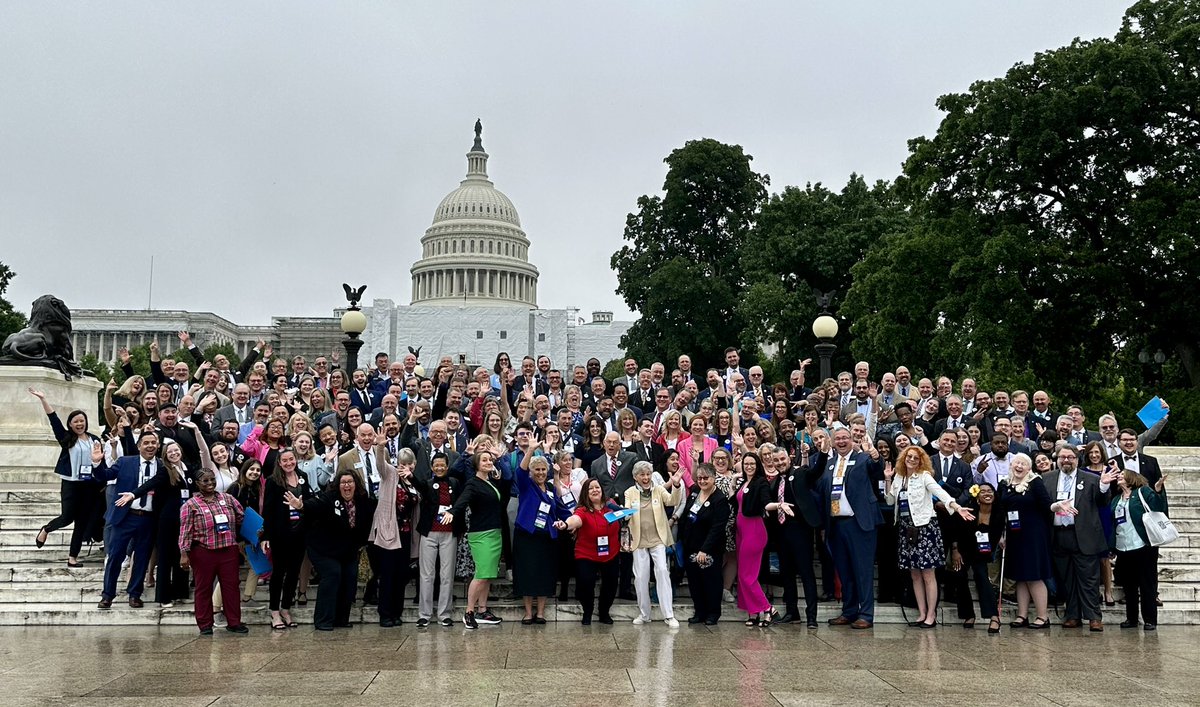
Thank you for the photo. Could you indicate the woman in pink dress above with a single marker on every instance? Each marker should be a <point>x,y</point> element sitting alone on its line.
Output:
<point>751,502</point>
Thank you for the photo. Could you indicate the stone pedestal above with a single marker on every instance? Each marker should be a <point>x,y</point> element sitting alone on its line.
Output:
<point>27,447</point>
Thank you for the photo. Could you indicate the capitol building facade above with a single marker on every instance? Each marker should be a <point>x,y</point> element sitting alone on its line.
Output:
<point>474,293</point>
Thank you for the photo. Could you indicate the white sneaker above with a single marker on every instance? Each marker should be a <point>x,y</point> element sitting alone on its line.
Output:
<point>168,604</point>
<point>672,623</point>
<point>727,596</point>
<point>640,621</point>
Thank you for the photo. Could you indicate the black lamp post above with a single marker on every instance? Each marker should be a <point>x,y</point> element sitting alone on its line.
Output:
<point>354,323</point>
<point>825,328</point>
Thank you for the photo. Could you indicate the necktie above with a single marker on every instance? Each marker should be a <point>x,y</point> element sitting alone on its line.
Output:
<point>1129,458</point>
<point>612,467</point>
<point>779,513</point>
<point>368,468</point>
<point>453,445</point>
<point>953,424</point>
<point>1066,489</point>
<point>241,413</point>
<point>838,478</point>
<point>945,468</point>
<point>657,422</point>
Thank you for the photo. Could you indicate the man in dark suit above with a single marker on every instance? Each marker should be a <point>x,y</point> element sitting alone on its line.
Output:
<point>361,397</point>
<point>630,379</point>
<point>437,441</point>
<point>795,528</point>
<point>240,410</point>
<point>954,419</point>
<point>1132,459</point>
<point>1080,435</point>
<point>1077,539</point>
<point>131,520</point>
<point>642,397</point>
<point>733,365</point>
<point>527,381</point>
<point>851,513</point>
<point>951,472</point>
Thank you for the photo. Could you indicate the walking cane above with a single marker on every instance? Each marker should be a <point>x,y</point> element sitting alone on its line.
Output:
<point>1000,580</point>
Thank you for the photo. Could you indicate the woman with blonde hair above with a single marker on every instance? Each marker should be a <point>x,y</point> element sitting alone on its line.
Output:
<point>912,490</point>
<point>651,536</point>
<point>1025,503</point>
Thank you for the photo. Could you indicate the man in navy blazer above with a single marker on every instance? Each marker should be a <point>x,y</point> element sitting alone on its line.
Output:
<point>851,512</point>
<point>130,520</point>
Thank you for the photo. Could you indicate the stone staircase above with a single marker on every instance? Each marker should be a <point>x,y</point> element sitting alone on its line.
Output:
<point>37,588</point>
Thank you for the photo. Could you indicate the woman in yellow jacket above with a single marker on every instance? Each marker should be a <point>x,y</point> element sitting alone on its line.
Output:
<point>651,535</point>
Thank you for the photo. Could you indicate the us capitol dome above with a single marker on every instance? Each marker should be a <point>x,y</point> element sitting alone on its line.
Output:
<point>475,253</point>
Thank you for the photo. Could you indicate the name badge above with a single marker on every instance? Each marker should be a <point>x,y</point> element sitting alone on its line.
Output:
<point>358,465</point>
<point>222,522</point>
<point>1014,520</point>
<point>293,514</point>
<point>1063,495</point>
<point>85,472</point>
<point>1120,516</point>
<point>443,510</point>
<point>185,494</point>
<point>836,492</point>
<point>544,507</point>
<point>568,500</point>
<point>882,485</point>
<point>983,542</point>
<point>337,511</point>
<point>695,508</point>
<point>602,545</point>
<point>902,504</point>
<point>374,488</point>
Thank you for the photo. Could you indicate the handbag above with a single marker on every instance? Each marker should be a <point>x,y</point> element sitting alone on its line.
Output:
<point>1159,528</point>
<point>626,537</point>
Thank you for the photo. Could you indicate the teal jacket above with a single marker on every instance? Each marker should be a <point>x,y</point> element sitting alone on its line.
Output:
<point>1155,501</point>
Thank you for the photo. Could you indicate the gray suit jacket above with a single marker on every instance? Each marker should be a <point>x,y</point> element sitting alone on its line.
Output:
<point>1088,501</point>
<point>229,412</point>
<point>615,488</point>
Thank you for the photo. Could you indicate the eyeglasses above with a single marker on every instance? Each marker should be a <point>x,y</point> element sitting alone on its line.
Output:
<point>1108,427</point>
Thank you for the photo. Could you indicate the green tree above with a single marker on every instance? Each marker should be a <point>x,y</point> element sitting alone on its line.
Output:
<point>10,319</point>
<point>1055,216</point>
<point>681,269</point>
<point>808,239</point>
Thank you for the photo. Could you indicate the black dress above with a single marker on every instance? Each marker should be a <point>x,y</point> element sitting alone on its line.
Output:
<point>1028,533</point>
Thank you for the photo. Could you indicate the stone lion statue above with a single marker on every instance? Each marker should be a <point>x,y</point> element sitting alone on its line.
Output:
<point>46,341</point>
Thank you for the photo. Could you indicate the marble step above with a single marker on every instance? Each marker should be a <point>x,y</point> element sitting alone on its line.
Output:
<point>85,614</point>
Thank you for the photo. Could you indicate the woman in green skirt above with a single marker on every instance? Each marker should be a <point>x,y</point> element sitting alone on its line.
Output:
<point>486,495</point>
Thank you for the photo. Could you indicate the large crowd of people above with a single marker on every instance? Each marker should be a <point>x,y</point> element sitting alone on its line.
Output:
<point>716,481</point>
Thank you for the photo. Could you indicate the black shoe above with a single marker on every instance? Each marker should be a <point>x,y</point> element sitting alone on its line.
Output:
<point>206,631</point>
<point>322,628</point>
<point>469,620</point>
<point>586,621</point>
<point>235,629</point>
<point>527,621</point>
<point>1129,624</point>
<point>825,597</point>
<point>422,623</point>
<point>487,617</point>
<point>1149,627</point>
<point>447,622</point>
<point>105,603</point>
<point>342,624</point>
<point>607,620</point>
<point>539,621</point>
<point>812,624</point>
<point>788,618</point>
<point>387,623</point>
<point>711,621</point>
<point>695,620</point>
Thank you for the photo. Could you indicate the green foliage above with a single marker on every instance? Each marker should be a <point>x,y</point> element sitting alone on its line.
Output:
<point>613,369</point>
<point>681,268</point>
<point>1054,218</point>
<point>808,239</point>
<point>10,319</point>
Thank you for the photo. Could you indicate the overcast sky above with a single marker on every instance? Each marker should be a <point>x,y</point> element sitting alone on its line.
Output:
<point>314,140</point>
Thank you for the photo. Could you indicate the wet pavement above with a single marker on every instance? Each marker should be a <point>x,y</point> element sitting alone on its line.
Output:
<point>618,665</point>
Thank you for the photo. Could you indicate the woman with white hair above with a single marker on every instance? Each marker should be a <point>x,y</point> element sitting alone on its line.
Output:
<point>651,536</point>
<point>1024,503</point>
